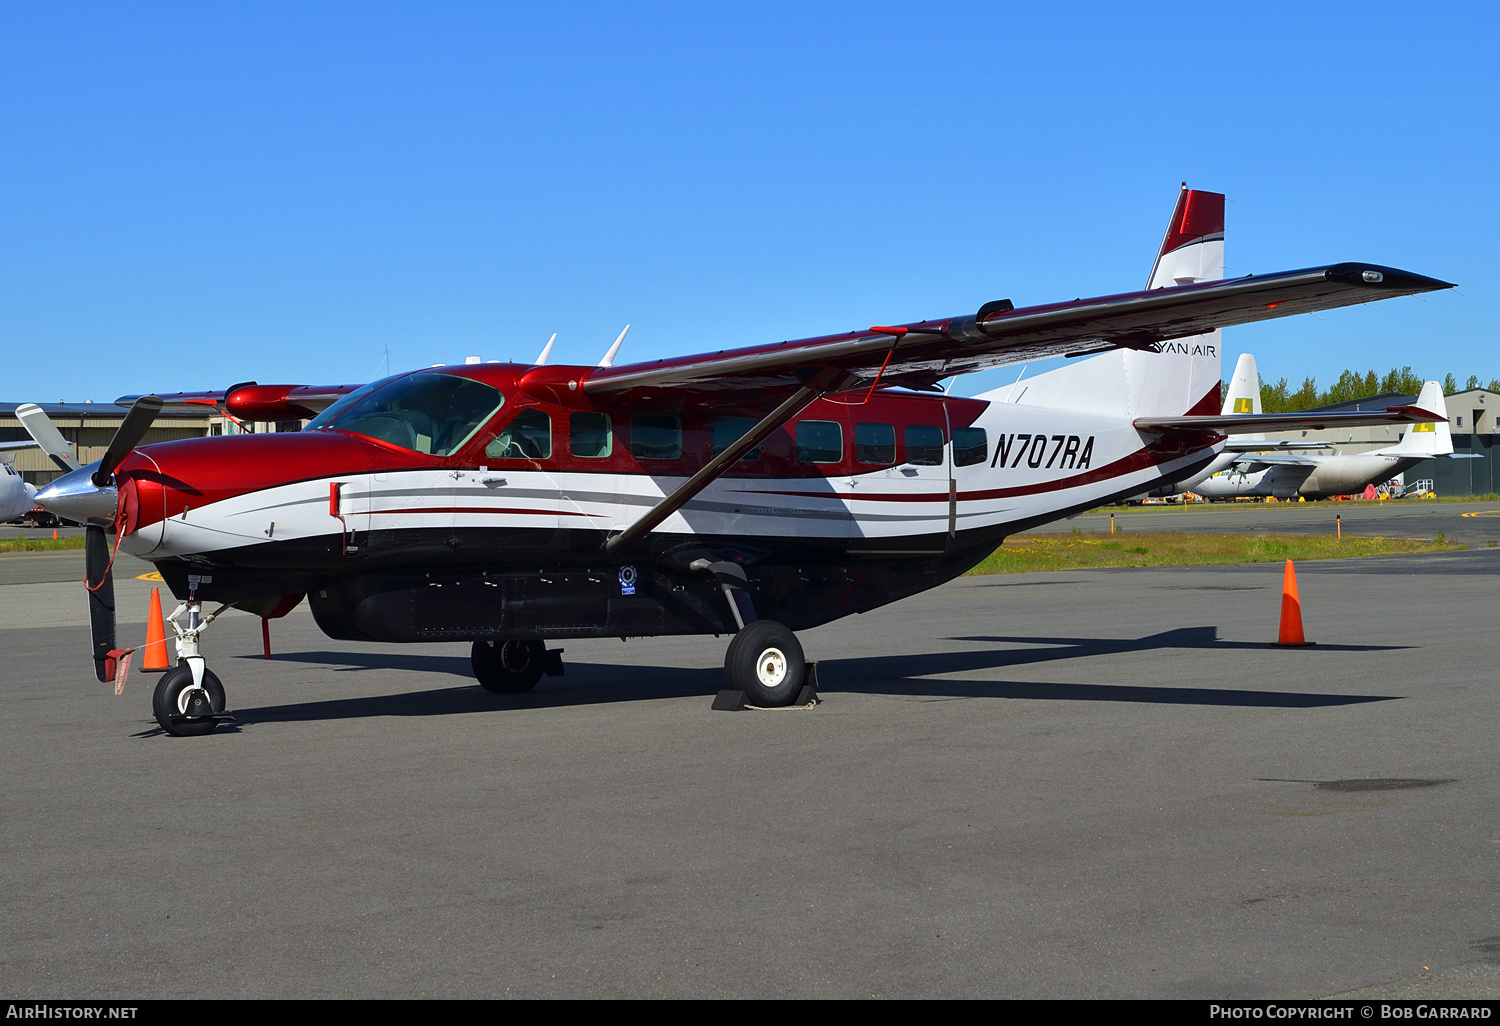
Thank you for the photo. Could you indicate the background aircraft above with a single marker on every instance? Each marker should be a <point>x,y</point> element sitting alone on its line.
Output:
<point>1287,475</point>
<point>751,492</point>
<point>1242,396</point>
<point>16,496</point>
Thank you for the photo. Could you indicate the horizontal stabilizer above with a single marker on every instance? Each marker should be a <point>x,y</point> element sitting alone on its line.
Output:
<point>1244,423</point>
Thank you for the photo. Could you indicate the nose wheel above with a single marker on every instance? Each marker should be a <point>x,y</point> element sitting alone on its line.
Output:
<point>185,709</point>
<point>189,700</point>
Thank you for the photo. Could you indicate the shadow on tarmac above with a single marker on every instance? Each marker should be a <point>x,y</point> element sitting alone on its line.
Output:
<point>905,675</point>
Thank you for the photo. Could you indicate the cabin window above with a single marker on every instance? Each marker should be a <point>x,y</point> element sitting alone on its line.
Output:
<point>820,441</point>
<point>527,437</point>
<point>590,435</point>
<point>428,413</point>
<point>875,443</point>
<point>654,436</point>
<point>924,445</point>
<point>728,430</point>
<point>970,446</point>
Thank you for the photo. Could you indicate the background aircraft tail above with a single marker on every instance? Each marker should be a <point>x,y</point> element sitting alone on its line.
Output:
<point>1244,393</point>
<point>1427,438</point>
<point>1181,379</point>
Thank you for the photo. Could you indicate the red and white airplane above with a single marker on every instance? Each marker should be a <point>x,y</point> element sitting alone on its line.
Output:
<point>753,492</point>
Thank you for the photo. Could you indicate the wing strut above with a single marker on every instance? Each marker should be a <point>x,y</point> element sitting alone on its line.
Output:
<point>829,379</point>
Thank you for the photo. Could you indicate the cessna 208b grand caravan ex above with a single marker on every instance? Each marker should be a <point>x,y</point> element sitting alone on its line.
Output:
<point>752,492</point>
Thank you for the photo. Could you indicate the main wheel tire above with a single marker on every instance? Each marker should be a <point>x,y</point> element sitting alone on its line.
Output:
<point>765,662</point>
<point>171,700</point>
<point>508,667</point>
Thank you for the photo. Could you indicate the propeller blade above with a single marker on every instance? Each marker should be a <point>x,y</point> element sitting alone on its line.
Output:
<point>40,427</point>
<point>137,423</point>
<point>101,597</point>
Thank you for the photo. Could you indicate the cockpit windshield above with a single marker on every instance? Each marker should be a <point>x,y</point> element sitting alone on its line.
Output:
<point>427,413</point>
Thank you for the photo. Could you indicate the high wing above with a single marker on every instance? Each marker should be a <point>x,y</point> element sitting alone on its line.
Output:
<point>921,354</point>
<point>252,401</point>
<point>1278,446</point>
<point>1280,459</point>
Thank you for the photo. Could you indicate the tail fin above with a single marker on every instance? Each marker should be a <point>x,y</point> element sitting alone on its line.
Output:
<point>1244,388</point>
<point>1193,248</point>
<point>1427,438</point>
<point>1244,393</point>
<point>1181,379</point>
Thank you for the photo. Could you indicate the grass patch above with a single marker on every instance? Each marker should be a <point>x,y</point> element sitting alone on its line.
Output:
<point>1023,553</point>
<point>41,544</point>
<point>1260,504</point>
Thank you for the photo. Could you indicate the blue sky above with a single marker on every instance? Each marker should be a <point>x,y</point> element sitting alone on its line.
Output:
<point>195,195</point>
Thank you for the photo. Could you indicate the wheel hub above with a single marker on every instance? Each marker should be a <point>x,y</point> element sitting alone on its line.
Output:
<point>514,657</point>
<point>194,702</point>
<point>771,667</point>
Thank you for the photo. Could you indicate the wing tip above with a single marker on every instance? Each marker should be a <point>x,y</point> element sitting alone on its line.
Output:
<point>1385,279</point>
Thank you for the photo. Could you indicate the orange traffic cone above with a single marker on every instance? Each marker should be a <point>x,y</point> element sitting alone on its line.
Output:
<point>156,638</point>
<point>1291,610</point>
<point>54,534</point>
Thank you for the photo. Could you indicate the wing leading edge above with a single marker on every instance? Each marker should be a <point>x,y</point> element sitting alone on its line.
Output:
<point>921,354</point>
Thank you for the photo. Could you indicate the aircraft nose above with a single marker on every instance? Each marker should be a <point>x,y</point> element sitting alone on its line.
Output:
<point>74,496</point>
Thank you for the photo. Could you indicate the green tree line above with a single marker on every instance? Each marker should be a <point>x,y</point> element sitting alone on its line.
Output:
<point>1281,398</point>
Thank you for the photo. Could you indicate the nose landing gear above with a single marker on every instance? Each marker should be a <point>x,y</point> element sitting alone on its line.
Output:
<point>185,707</point>
<point>189,699</point>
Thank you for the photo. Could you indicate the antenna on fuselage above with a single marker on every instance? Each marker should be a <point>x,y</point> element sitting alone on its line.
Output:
<point>546,350</point>
<point>609,357</point>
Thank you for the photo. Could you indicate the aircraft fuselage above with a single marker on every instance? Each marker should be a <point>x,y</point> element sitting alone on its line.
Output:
<point>849,506</point>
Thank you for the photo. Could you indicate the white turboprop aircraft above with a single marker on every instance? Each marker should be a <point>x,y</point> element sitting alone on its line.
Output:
<point>1286,475</point>
<point>16,496</point>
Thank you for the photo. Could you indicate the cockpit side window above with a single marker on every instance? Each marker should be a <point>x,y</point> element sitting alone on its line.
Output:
<point>528,436</point>
<point>427,413</point>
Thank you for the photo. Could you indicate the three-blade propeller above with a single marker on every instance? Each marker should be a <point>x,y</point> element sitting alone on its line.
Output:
<point>86,493</point>
<point>137,422</point>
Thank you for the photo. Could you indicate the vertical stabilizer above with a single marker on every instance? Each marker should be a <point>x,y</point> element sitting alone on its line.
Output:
<point>1244,393</point>
<point>1427,438</point>
<point>1244,387</point>
<point>1193,248</point>
<point>1181,379</point>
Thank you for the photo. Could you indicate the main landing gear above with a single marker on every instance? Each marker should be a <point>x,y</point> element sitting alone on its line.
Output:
<point>189,699</point>
<point>764,660</point>
<point>511,667</point>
